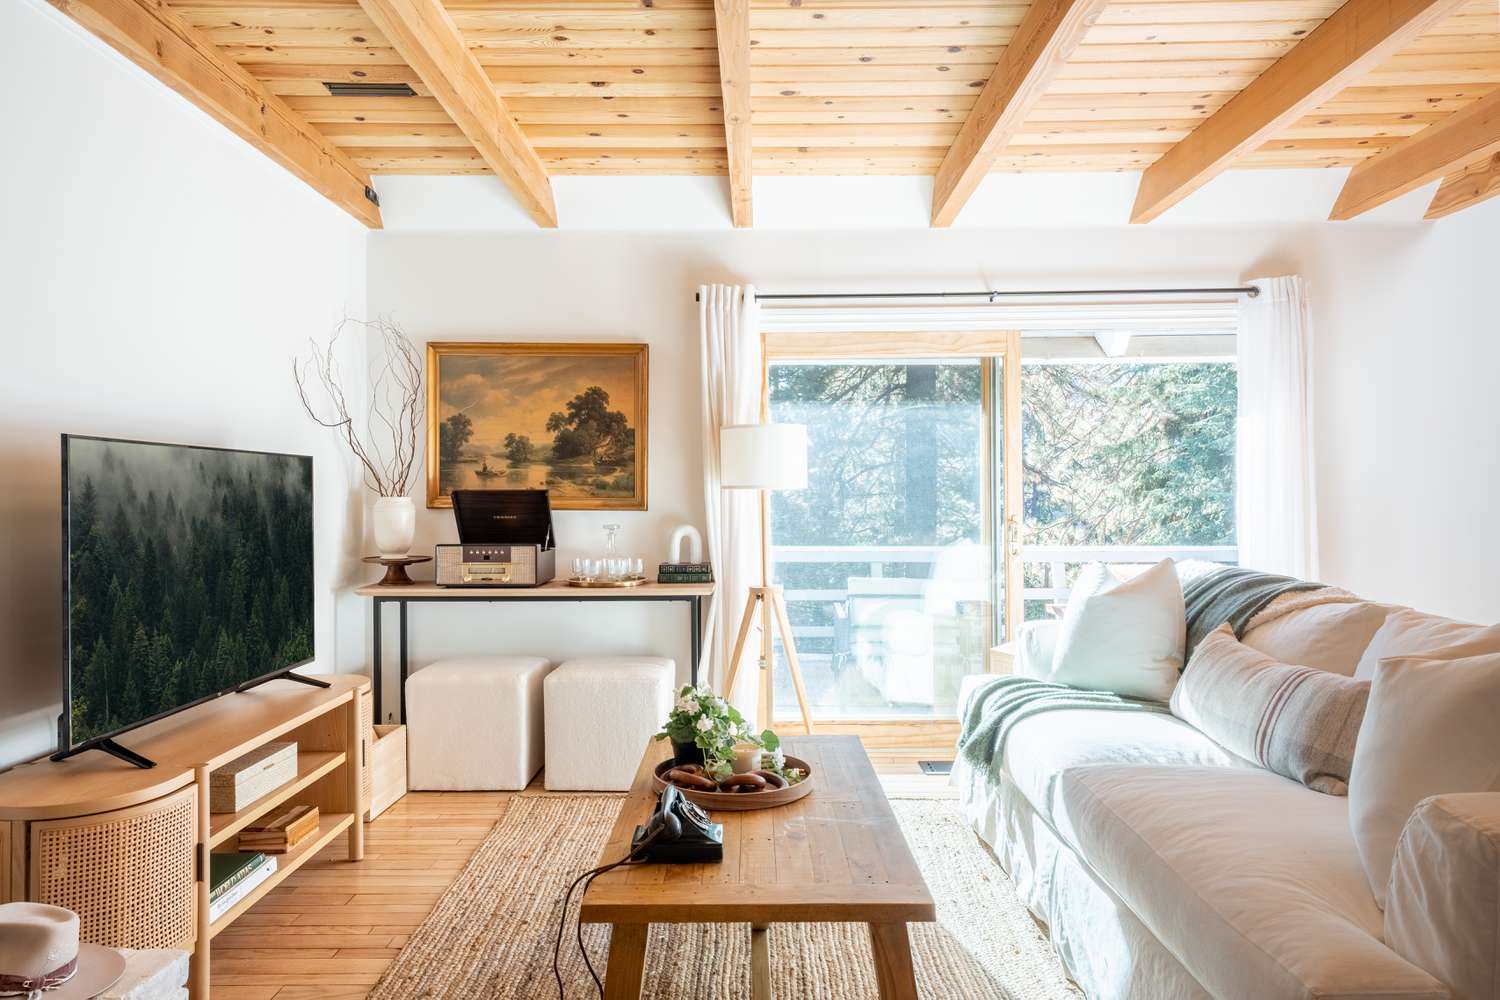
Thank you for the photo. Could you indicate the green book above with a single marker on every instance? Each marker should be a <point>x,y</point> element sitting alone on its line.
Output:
<point>225,871</point>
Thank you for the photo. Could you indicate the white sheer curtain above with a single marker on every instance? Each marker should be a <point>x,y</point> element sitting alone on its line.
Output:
<point>731,356</point>
<point>1276,508</point>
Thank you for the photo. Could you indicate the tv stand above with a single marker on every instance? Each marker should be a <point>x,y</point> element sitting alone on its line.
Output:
<point>127,848</point>
<point>109,746</point>
<point>288,675</point>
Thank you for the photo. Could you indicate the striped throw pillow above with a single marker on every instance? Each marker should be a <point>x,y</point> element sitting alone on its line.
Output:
<point>1300,722</point>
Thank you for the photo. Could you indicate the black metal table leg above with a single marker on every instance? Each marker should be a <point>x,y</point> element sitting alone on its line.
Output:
<point>402,606</point>
<point>695,633</point>
<point>376,678</point>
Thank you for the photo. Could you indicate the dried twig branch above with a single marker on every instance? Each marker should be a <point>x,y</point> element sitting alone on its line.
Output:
<point>387,450</point>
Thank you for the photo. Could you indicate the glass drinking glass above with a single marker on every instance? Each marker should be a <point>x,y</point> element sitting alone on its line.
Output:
<point>578,568</point>
<point>637,567</point>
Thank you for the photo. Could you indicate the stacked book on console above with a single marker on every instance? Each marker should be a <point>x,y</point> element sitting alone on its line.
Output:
<point>688,572</point>
<point>282,831</point>
<point>232,877</point>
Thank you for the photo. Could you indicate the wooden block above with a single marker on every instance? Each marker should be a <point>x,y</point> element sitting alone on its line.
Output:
<point>282,831</point>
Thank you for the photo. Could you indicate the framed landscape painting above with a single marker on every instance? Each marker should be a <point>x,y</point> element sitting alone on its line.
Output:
<point>567,418</point>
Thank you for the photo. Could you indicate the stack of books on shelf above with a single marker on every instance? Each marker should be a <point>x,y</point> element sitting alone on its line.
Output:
<point>279,833</point>
<point>689,572</point>
<point>232,877</point>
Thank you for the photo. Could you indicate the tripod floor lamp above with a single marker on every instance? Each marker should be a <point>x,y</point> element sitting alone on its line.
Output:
<point>765,457</point>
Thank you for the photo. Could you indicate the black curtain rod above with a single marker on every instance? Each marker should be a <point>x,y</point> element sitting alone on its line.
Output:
<point>992,295</point>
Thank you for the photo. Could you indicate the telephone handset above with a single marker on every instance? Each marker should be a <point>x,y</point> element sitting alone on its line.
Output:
<point>678,832</point>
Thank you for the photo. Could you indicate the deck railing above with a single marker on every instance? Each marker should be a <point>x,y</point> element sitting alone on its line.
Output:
<point>1052,565</point>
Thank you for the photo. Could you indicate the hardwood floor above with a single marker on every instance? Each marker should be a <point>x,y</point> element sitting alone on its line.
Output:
<point>329,931</point>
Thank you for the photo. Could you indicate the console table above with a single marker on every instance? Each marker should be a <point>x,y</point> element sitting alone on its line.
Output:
<point>127,848</point>
<point>417,593</point>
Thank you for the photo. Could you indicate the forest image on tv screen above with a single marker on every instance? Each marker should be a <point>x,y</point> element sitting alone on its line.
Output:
<point>190,571</point>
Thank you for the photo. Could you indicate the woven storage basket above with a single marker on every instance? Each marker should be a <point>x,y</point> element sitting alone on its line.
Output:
<point>242,781</point>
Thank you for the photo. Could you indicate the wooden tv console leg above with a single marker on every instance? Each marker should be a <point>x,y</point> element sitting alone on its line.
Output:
<point>198,965</point>
<point>354,762</point>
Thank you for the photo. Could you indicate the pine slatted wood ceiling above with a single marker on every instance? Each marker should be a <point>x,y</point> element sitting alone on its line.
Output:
<point>843,87</point>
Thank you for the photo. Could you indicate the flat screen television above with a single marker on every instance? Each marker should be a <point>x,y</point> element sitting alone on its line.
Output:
<point>188,573</point>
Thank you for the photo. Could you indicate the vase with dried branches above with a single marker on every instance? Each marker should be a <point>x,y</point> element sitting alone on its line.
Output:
<point>387,445</point>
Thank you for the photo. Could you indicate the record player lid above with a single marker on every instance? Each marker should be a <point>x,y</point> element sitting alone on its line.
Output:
<point>504,517</point>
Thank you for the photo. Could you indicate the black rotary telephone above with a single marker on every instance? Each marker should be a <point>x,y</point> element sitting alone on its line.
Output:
<point>677,833</point>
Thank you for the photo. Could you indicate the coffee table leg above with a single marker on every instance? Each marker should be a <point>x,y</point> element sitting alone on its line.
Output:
<point>893,968</point>
<point>627,962</point>
<point>760,962</point>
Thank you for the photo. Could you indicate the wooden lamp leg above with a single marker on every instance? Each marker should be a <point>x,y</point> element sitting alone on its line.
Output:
<point>767,698</point>
<point>773,615</point>
<point>746,620</point>
<point>784,624</point>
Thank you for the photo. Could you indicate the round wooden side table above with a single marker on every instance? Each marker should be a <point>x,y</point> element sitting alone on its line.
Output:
<point>395,568</point>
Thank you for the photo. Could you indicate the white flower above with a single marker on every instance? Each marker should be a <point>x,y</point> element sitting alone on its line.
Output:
<point>704,724</point>
<point>778,758</point>
<point>687,706</point>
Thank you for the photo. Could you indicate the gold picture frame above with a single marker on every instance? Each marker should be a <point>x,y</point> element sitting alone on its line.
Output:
<point>547,415</point>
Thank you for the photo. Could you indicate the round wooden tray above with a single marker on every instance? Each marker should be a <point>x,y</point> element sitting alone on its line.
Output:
<point>743,801</point>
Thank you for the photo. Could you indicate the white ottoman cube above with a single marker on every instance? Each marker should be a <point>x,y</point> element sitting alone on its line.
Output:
<point>601,711</point>
<point>474,723</point>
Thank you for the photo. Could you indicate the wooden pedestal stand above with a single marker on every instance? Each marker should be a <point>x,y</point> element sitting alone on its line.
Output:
<point>395,568</point>
<point>771,606</point>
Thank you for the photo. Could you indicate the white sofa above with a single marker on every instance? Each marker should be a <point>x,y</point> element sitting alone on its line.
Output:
<point>1165,867</point>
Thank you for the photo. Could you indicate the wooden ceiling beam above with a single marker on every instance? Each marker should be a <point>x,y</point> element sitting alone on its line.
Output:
<point>1475,183</point>
<point>424,35</point>
<point>1466,137</point>
<point>1354,40</point>
<point>732,29</point>
<point>159,41</point>
<point>1049,33</point>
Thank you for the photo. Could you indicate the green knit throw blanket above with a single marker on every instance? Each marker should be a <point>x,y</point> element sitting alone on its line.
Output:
<point>1002,702</point>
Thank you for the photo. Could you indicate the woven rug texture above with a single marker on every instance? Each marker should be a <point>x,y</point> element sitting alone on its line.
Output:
<point>490,936</point>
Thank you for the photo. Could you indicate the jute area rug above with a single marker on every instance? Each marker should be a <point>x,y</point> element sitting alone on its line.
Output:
<point>490,936</point>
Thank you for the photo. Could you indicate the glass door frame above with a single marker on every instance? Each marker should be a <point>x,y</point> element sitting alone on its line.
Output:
<point>999,352</point>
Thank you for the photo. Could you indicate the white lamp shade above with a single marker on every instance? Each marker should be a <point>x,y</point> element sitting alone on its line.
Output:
<point>763,457</point>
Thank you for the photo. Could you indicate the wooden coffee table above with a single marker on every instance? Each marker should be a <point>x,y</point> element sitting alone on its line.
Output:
<point>836,856</point>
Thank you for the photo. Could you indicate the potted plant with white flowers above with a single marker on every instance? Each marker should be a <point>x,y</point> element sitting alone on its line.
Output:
<point>707,730</point>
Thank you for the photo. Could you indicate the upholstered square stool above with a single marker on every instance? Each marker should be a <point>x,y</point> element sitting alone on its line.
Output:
<point>601,710</point>
<point>474,723</point>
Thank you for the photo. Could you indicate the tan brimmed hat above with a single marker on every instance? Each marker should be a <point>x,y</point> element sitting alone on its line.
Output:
<point>40,956</point>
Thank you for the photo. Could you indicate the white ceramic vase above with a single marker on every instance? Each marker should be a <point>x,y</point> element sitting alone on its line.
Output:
<point>395,523</point>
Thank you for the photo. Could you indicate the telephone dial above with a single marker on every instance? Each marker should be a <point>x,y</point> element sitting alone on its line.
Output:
<point>678,832</point>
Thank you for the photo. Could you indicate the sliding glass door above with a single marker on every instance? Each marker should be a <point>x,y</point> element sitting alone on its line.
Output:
<point>893,577</point>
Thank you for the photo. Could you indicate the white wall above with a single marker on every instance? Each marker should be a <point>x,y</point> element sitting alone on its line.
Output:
<point>1407,414</point>
<point>1407,373</point>
<point>157,276</point>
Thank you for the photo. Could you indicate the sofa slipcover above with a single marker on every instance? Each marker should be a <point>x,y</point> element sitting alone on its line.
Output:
<point>1249,879</point>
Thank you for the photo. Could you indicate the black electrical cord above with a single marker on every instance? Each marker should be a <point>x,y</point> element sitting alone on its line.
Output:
<point>562,923</point>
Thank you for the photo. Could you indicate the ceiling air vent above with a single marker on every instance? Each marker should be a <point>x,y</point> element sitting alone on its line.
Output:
<point>370,89</point>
